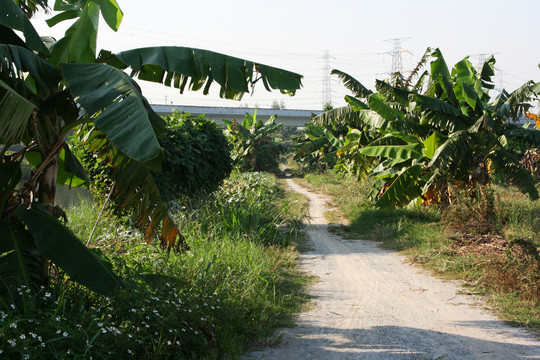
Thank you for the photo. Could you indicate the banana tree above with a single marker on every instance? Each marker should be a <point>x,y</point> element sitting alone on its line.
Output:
<point>317,145</point>
<point>443,128</point>
<point>48,89</point>
<point>253,146</point>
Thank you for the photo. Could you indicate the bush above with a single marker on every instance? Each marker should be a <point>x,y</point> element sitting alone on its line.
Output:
<point>196,161</point>
<point>197,158</point>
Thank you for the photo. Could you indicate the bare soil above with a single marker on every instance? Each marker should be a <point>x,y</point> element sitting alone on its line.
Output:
<point>371,303</point>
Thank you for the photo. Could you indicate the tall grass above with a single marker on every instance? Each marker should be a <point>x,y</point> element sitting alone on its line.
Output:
<point>232,288</point>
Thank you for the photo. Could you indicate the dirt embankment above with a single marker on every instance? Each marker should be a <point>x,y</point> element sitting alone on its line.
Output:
<point>371,304</point>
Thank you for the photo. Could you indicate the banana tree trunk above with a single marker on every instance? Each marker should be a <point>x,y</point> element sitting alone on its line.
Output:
<point>47,183</point>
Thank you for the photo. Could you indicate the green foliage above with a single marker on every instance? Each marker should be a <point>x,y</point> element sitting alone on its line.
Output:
<point>316,147</point>
<point>416,139</point>
<point>489,240</point>
<point>254,148</point>
<point>47,91</point>
<point>196,157</point>
<point>229,290</point>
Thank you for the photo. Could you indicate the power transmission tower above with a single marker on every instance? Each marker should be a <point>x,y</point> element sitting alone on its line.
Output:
<point>397,50</point>
<point>481,59</point>
<point>327,81</point>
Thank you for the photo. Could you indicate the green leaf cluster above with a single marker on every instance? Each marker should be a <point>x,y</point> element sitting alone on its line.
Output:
<point>254,148</point>
<point>51,89</point>
<point>417,137</point>
<point>196,157</point>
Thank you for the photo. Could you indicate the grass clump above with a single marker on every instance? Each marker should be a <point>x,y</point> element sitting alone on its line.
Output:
<point>232,288</point>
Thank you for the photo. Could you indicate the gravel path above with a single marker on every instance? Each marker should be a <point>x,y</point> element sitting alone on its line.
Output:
<point>371,304</point>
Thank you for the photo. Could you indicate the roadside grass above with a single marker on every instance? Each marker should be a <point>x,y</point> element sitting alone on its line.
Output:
<point>235,285</point>
<point>491,244</point>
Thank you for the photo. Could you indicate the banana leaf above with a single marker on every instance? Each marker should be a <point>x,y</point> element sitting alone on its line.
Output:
<point>116,105</point>
<point>178,66</point>
<point>58,244</point>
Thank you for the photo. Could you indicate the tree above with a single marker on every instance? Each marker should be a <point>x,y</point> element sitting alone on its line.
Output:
<point>49,89</point>
<point>253,146</point>
<point>444,128</point>
<point>277,105</point>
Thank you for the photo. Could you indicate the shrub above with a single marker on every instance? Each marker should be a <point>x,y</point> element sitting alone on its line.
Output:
<point>197,158</point>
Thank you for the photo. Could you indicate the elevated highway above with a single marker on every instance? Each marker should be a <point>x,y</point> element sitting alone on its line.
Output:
<point>292,118</point>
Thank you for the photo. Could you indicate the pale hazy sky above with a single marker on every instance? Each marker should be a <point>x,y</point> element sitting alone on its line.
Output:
<point>294,35</point>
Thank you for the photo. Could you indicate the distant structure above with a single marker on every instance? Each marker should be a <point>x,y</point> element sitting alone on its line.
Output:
<point>481,59</point>
<point>287,117</point>
<point>397,50</point>
<point>327,81</point>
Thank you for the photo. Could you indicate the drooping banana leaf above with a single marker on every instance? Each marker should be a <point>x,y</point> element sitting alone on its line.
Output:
<point>397,94</point>
<point>137,193</point>
<point>347,115</point>
<point>432,143</point>
<point>434,105</point>
<point>381,107</point>
<point>15,114</point>
<point>341,115</point>
<point>518,101</point>
<point>439,113</point>
<point>57,243</point>
<point>531,136</point>
<point>506,164</point>
<point>355,86</point>
<point>404,188</point>
<point>16,61</point>
<point>18,263</point>
<point>455,149</point>
<point>178,66</point>
<point>115,103</point>
<point>14,18</point>
<point>355,103</point>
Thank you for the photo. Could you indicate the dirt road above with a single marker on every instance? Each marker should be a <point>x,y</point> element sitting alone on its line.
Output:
<point>371,304</point>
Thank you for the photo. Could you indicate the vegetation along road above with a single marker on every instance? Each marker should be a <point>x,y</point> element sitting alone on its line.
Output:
<point>371,304</point>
